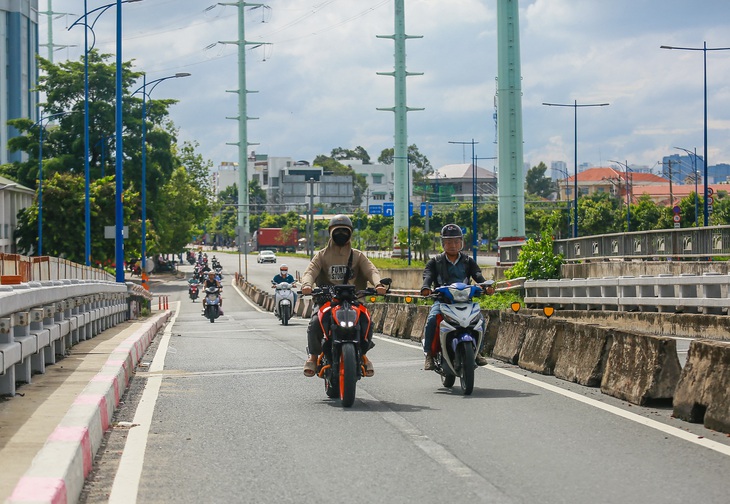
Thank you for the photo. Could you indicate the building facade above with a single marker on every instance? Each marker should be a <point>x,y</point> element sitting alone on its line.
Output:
<point>18,69</point>
<point>13,198</point>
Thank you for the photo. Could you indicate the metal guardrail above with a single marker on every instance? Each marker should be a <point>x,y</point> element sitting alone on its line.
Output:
<point>707,293</point>
<point>680,243</point>
<point>18,268</point>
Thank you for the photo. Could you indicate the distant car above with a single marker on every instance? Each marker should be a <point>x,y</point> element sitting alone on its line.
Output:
<point>266,256</point>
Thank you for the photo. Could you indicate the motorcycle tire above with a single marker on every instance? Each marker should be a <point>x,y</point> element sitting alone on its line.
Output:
<point>348,374</point>
<point>284,310</point>
<point>330,387</point>
<point>466,354</point>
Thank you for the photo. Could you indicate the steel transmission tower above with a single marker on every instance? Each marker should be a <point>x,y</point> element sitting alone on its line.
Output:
<point>50,45</point>
<point>400,151</point>
<point>242,118</point>
<point>509,125</point>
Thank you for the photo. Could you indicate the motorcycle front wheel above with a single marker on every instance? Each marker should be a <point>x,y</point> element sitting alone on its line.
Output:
<point>348,374</point>
<point>448,380</point>
<point>284,312</point>
<point>466,355</point>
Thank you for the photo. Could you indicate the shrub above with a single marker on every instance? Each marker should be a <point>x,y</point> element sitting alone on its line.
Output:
<point>537,261</point>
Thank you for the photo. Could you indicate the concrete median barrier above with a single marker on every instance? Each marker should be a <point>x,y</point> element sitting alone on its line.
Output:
<point>403,321</point>
<point>420,314</point>
<point>703,393</point>
<point>377,316</point>
<point>390,317</point>
<point>543,340</point>
<point>308,308</point>
<point>582,354</point>
<point>512,329</point>
<point>641,368</point>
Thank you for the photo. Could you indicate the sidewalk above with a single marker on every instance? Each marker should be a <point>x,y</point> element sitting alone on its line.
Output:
<point>28,419</point>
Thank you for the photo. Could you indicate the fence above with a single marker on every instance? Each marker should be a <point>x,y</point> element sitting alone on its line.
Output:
<point>15,269</point>
<point>679,243</point>
<point>685,293</point>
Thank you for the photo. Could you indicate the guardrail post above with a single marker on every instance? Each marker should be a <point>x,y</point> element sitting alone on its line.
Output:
<point>665,290</point>
<point>627,288</point>
<point>688,290</point>
<point>43,339</point>
<point>28,346</point>
<point>647,290</point>
<point>10,354</point>
<point>56,346</point>
<point>712,285</point>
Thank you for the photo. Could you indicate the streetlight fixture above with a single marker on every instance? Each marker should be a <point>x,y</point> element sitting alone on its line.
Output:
<point>704,50</point>
<point>145,94</point>
<point>39,123</point>
<point>694,176</point>
<point>628,193</point>
<point>575,106</point>
<point>84,21</point>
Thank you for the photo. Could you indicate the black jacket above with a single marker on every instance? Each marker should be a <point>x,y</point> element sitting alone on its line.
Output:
<point>436,271</point>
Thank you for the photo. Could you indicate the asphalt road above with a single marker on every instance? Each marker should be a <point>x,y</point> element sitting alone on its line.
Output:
<point>231,418</point>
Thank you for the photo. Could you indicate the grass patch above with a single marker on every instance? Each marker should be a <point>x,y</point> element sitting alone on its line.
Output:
<point>501,301</point>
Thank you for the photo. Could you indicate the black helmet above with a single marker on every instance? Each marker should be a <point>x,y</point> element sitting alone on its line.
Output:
<point>340,221</point>
<point>451,231</point>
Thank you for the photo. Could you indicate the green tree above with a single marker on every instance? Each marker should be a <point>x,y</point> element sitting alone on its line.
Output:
<point>537,261</point>
<point>357,153</point>
<point>537,183</point>
<point>175,231</point>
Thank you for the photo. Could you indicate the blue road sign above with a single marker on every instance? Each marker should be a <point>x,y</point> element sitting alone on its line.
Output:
<point>375,209</point>
<point>388,209</point>
<point>423,210</point>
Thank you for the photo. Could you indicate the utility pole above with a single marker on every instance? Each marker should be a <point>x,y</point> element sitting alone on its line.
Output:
<point>50,16</point>
<point>310,237</point>
<point>400,150</point>
<point>242,118</point>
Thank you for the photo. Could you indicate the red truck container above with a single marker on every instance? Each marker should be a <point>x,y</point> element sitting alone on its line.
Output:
<point>276,239</point>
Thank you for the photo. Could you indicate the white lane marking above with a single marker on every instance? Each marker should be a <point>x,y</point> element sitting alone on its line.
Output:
<point>245,298</point>
<point>126,482</point>
<point>484,490</point>
<point>667,429</point>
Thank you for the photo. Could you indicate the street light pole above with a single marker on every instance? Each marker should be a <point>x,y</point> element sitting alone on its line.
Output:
<point>704,50</point>
<point>575,106</point>
<point>145,94</point>
<point>83,21</point>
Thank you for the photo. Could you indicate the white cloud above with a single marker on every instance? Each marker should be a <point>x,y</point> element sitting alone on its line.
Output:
<point>318,87</point>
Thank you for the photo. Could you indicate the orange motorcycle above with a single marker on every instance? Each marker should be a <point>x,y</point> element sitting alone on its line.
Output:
<point>345,323</point>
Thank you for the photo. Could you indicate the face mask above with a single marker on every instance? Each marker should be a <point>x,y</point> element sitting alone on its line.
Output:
<point>340,238</point>
<point>283,273</point>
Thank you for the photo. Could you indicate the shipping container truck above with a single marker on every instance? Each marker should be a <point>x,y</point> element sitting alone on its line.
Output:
<point>277,239</point>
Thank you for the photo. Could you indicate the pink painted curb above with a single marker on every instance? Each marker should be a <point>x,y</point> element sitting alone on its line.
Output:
<point>59,470</point>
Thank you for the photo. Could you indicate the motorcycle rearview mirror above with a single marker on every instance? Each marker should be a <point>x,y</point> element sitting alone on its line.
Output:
<point>386,281</point>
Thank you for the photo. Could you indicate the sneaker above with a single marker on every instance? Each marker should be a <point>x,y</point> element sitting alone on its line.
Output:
<point>481,360</point>
<point>310,366</point>
<point>428,365</point>
<point>369,370</point>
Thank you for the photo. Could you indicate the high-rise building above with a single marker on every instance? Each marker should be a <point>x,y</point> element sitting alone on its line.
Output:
<point>18,69</point>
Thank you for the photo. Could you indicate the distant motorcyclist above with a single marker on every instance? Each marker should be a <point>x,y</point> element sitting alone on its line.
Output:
<point>284,276</point>
<point>453,265</point>
<point>212,281</point>
<point>338,263</point>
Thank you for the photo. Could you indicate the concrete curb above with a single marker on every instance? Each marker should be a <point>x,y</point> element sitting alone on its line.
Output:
<point>59,470</point>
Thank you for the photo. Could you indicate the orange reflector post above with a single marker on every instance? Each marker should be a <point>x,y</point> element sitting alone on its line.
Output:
<point>409,299</point>
<point>372,299</point>
<point>516,306</point>
<point>548,311</point>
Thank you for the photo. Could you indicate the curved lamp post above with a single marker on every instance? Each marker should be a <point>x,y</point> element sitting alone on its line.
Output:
<point>575,106</point>
<point>694,176</point>
<point>39,123</point>
<point>145,94</point>
<point>84,21</point>
<point>704,50</point>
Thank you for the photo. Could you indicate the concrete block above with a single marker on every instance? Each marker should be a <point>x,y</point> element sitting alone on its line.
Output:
<point>403,321</point>
<point>377,315</point>
<point>582,354</point>
<point>389,319</point>
<point>641,367</point>
<point>308,307</point>
<point>420,313</point>
<point>491,319</point>
<point>543,339</point>
<point>512,329</point>
<point>703,393</point>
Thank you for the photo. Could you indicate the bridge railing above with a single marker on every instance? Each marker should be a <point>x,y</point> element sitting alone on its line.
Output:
<point>678,243</point>
<point>707,293</point>
<point>15,268</point>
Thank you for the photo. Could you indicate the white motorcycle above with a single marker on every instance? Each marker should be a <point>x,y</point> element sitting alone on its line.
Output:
<point>459,334</point>
<point>283,301</point>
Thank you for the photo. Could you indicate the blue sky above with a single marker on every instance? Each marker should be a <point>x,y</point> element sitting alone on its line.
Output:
<point>318,89</point>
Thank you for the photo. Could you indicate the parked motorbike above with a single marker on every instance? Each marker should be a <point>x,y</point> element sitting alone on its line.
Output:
<point>283,301</point>
<point>212,303</point>
<point>193,291</point>
<point>340,364</point>
<point>459,333</point>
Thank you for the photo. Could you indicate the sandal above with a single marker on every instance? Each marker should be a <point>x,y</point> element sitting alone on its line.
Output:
<point>369,371</point>
<point>310,367</point>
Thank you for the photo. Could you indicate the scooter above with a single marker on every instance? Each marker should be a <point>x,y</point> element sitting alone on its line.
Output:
<point>193,291</point>
<point>460,331</point>
<point>283,301</point>
<point>212,303</point>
